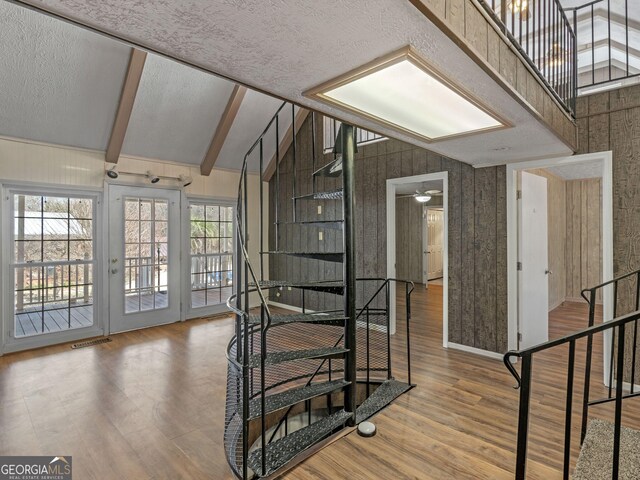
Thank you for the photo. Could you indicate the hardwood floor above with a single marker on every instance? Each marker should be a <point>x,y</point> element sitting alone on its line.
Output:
<point>150,405</point>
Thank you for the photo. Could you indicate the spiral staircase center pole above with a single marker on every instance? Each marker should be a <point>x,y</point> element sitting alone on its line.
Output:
<point>349,267</point>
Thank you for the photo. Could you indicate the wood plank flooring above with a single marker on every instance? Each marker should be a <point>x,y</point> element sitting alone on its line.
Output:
<point>150,405</point>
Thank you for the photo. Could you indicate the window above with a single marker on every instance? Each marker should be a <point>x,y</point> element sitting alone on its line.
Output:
<point>211,248</point>
<point>331,128</point>
<point>52,263</point>
<point>146,233</point>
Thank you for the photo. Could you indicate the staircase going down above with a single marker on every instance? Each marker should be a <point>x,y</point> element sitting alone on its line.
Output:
<point>297,378</point>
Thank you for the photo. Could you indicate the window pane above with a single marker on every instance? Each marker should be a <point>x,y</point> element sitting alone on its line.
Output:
<point>55,207</point>
<point>213,213</point>
<point>162,210</point>
<point>131,209</point>
<point>145,209</point>
<point>52,229</point>
<point>211,234</point>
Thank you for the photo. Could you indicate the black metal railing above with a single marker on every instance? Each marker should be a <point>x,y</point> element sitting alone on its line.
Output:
<point>542,33</point>
<point>603,34</point>
<point>365,364</point>
<point>616,329</point>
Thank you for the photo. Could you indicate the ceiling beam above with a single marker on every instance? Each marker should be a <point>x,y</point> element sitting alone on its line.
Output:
<point>127,99</point>
<point>300,117</point>
<point>223,128</point>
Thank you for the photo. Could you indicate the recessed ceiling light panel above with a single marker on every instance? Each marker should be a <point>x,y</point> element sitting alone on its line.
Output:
<point>403,92</point>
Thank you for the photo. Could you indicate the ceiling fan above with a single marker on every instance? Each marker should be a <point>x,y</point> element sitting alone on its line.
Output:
<point>423,196</point>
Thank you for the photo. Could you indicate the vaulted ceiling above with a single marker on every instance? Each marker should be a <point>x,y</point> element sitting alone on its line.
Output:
<point>62,84</point>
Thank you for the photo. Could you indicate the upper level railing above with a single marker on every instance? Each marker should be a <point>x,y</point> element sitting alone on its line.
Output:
<point>605,39</point>
<point>542,33</point>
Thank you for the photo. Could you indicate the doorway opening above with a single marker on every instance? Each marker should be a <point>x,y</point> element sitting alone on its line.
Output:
<point>410,201</point>
<point>560,241</point>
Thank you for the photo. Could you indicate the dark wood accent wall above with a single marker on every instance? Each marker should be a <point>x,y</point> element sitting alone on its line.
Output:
<point>476,221</point>
<point>611,121</point>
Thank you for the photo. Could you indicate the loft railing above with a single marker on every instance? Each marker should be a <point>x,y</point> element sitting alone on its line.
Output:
<point>542,33</point>
<point>605,51</point>
<point>616,329</point>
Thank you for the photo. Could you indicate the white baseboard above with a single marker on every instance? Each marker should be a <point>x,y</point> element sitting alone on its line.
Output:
<point>290,307</point>
<point>476,351</point>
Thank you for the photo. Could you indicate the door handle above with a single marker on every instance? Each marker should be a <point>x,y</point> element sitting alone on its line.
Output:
<point>114,270</point>
<point>548,272</point>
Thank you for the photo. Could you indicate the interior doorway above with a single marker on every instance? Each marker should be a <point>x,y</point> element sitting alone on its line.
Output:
<point>408,200</point>
<point>560,240</point>
<point>433,245</point>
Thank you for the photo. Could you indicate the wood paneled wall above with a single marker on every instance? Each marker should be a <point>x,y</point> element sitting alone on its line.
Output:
<point>556,232</point>
<point>584,234</point>
<point>466,23</point>
<point>477,233</point>
<point>409,261</point>
<point>611,121</point>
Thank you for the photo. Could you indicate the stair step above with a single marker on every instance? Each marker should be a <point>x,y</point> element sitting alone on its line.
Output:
<point>282,451</point>
<point>383,396</point>
<point>328,195</point>
<point>331,286</point>
<point>332,169</point>
<point>326,256</point>
<point>291,397</point>
<point>596,455</point>
<point>290,355</point>
<point>318,318</point>
<point>335,224</point>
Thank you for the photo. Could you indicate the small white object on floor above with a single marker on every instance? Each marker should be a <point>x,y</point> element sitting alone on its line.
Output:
<point>366,429</point>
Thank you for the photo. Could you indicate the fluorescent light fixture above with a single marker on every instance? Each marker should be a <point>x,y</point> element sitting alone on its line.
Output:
<point>403,92</point>
<point>423,198</point>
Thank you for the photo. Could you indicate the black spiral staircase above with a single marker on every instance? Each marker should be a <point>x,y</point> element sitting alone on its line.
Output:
<point>297,379</point>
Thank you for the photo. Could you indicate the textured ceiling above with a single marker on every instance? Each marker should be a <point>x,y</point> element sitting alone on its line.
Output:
<point>577,171</point>
<point>254,115</point>
<point>286,47</point>
<point>176,112</point>
<point>61,84</point>
<point>410,188</point>
<point>58,83</point>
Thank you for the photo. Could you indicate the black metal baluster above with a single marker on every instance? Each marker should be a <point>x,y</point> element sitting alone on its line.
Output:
<point>608,34</point>
<point>587,368</point>
<point>613,337</point>
<point>277,219</point>
<point>388,313</point>
<point>293,158</point>
<point>408,307</point>
<point>568,408</point>
<point>368,357</point>
<point>262,249</point>
<point>617,426</point>
<point>523,417</point>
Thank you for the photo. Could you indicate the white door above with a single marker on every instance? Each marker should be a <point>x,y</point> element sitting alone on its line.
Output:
<point>435,247</point>
<point>533,288</point>
<point>144,263</point>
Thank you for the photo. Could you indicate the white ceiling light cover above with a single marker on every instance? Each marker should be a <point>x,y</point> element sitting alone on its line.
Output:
<point>404,93</point>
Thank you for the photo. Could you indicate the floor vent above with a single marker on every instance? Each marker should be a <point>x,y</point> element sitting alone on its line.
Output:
<point>91,343</point>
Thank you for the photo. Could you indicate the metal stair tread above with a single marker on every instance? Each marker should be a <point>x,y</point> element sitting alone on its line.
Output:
<point>293,396</point>
<point>326,195</point>
<point>386,393</point>
<point>330,286</point>
<point>332,169</point>
<point>282,319</point>
<point>280,452</point>
<point>275,358</point>
<point>328,256</point>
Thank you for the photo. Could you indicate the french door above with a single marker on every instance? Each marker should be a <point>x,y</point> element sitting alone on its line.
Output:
<point>144,257</point>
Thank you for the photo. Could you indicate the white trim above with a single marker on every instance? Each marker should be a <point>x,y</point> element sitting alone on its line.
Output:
<point>476,351</point>
<point>499,163</point>
<point>391,244</point>
<point>289,307</point>
<point>607,237</point>
<point>48,339</point>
